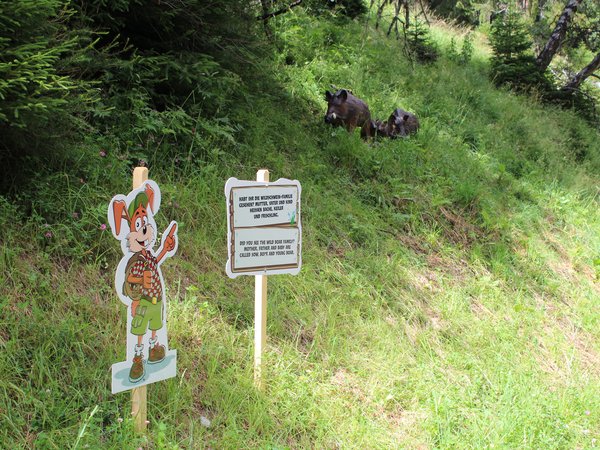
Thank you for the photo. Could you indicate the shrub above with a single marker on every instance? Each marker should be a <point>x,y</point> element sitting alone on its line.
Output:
<point>466,51</point>
<point>145,72</point>
<point>513,63</point>
<point>419,45</point>
<point>463,11</point>
<point>350,8</point>
<point>36,89</point>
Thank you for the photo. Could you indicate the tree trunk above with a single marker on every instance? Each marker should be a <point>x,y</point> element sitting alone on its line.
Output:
<point>553,44</point>
<point>583,74</point>
<point>265,9</point>
<point>395,19</point>
<point>380,12</point>
<point>267,15</point>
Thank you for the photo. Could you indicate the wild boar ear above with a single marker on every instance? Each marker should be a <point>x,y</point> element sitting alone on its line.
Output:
<point>343,94</point>
<point>328,95</point>
<point>405,117</point>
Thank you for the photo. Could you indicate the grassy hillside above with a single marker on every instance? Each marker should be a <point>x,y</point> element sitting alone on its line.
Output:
<point>448,296</point>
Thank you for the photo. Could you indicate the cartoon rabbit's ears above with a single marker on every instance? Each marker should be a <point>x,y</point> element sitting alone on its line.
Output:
<point>119,214</point>
<point>150,195</point>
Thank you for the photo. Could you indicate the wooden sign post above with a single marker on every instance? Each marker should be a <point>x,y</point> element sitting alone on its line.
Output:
<point>263,238</point>
<point>260,310</point>
<point>140,287</point>
<point>139,396</point>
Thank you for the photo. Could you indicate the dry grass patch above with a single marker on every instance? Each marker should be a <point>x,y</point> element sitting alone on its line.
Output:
<point>480,311</point>
<point>583,342</point>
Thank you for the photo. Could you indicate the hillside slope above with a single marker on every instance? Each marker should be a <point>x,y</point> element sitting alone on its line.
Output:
<point>448,296</point>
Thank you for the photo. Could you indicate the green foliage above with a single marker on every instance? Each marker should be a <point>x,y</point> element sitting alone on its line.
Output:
<point>580,100</point>
<point>513,63</point>
<point>466,51</point>
<point>142,71</point>
<point>38,93</point>
<point>350,8</point>
<point>155,63</point>
<point>509,37</point>
<point>585,29</point>
<point>32,41</point>
<point>463,11</point>
<point>452,51</point>
<point>419,44</point>
<point>162,27</point>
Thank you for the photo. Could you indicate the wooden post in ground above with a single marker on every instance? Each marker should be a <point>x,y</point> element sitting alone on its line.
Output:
<point>139,395</point>
<point>260,311</point>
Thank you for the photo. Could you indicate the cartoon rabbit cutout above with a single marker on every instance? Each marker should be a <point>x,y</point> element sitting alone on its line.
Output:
<point>140,286</point>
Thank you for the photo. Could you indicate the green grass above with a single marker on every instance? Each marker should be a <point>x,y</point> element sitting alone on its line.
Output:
<point>448,296</point>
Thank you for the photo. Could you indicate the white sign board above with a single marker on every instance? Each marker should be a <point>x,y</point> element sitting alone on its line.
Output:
<point>263,227</point>
<point>265,247</point>
<point>255,207</point>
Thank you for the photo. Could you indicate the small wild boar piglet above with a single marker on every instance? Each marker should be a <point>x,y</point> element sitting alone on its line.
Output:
<point>401,123</point>
<point>346,110</point>
<point>377,128</point>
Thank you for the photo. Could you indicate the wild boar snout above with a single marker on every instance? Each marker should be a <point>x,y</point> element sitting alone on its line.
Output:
<point>330,118</point>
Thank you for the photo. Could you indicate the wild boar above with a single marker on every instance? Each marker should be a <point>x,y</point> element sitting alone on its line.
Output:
<point>401,123</point>
<point>376,128</point>
<point>346,110</point>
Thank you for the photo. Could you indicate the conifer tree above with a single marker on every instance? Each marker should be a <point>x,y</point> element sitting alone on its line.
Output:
<point>32,41</point>
<point>513,62</point>
<point>419,44</point>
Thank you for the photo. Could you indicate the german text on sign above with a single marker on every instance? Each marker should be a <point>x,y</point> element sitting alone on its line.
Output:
<point>255,207</point>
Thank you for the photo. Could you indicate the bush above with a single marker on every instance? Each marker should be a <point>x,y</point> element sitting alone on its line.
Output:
<point>350,8</point>
<point>32,44</point>
<point>513,63</point>
<point>466,51</point>
<point>37,92</point>
<point>151,73</point>
<point>580,100</point>
<point>463,11</point>
<point>419,45</point>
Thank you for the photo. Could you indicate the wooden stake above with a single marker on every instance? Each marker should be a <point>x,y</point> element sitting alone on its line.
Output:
<point>139,405</point>
<point>139,397</point>
<point>140,174</point>
<point>260,311</point>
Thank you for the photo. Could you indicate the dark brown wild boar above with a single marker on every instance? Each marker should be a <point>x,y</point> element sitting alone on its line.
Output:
<point>401,123</point>
<point>346,110</point>
<point>377,128</point>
